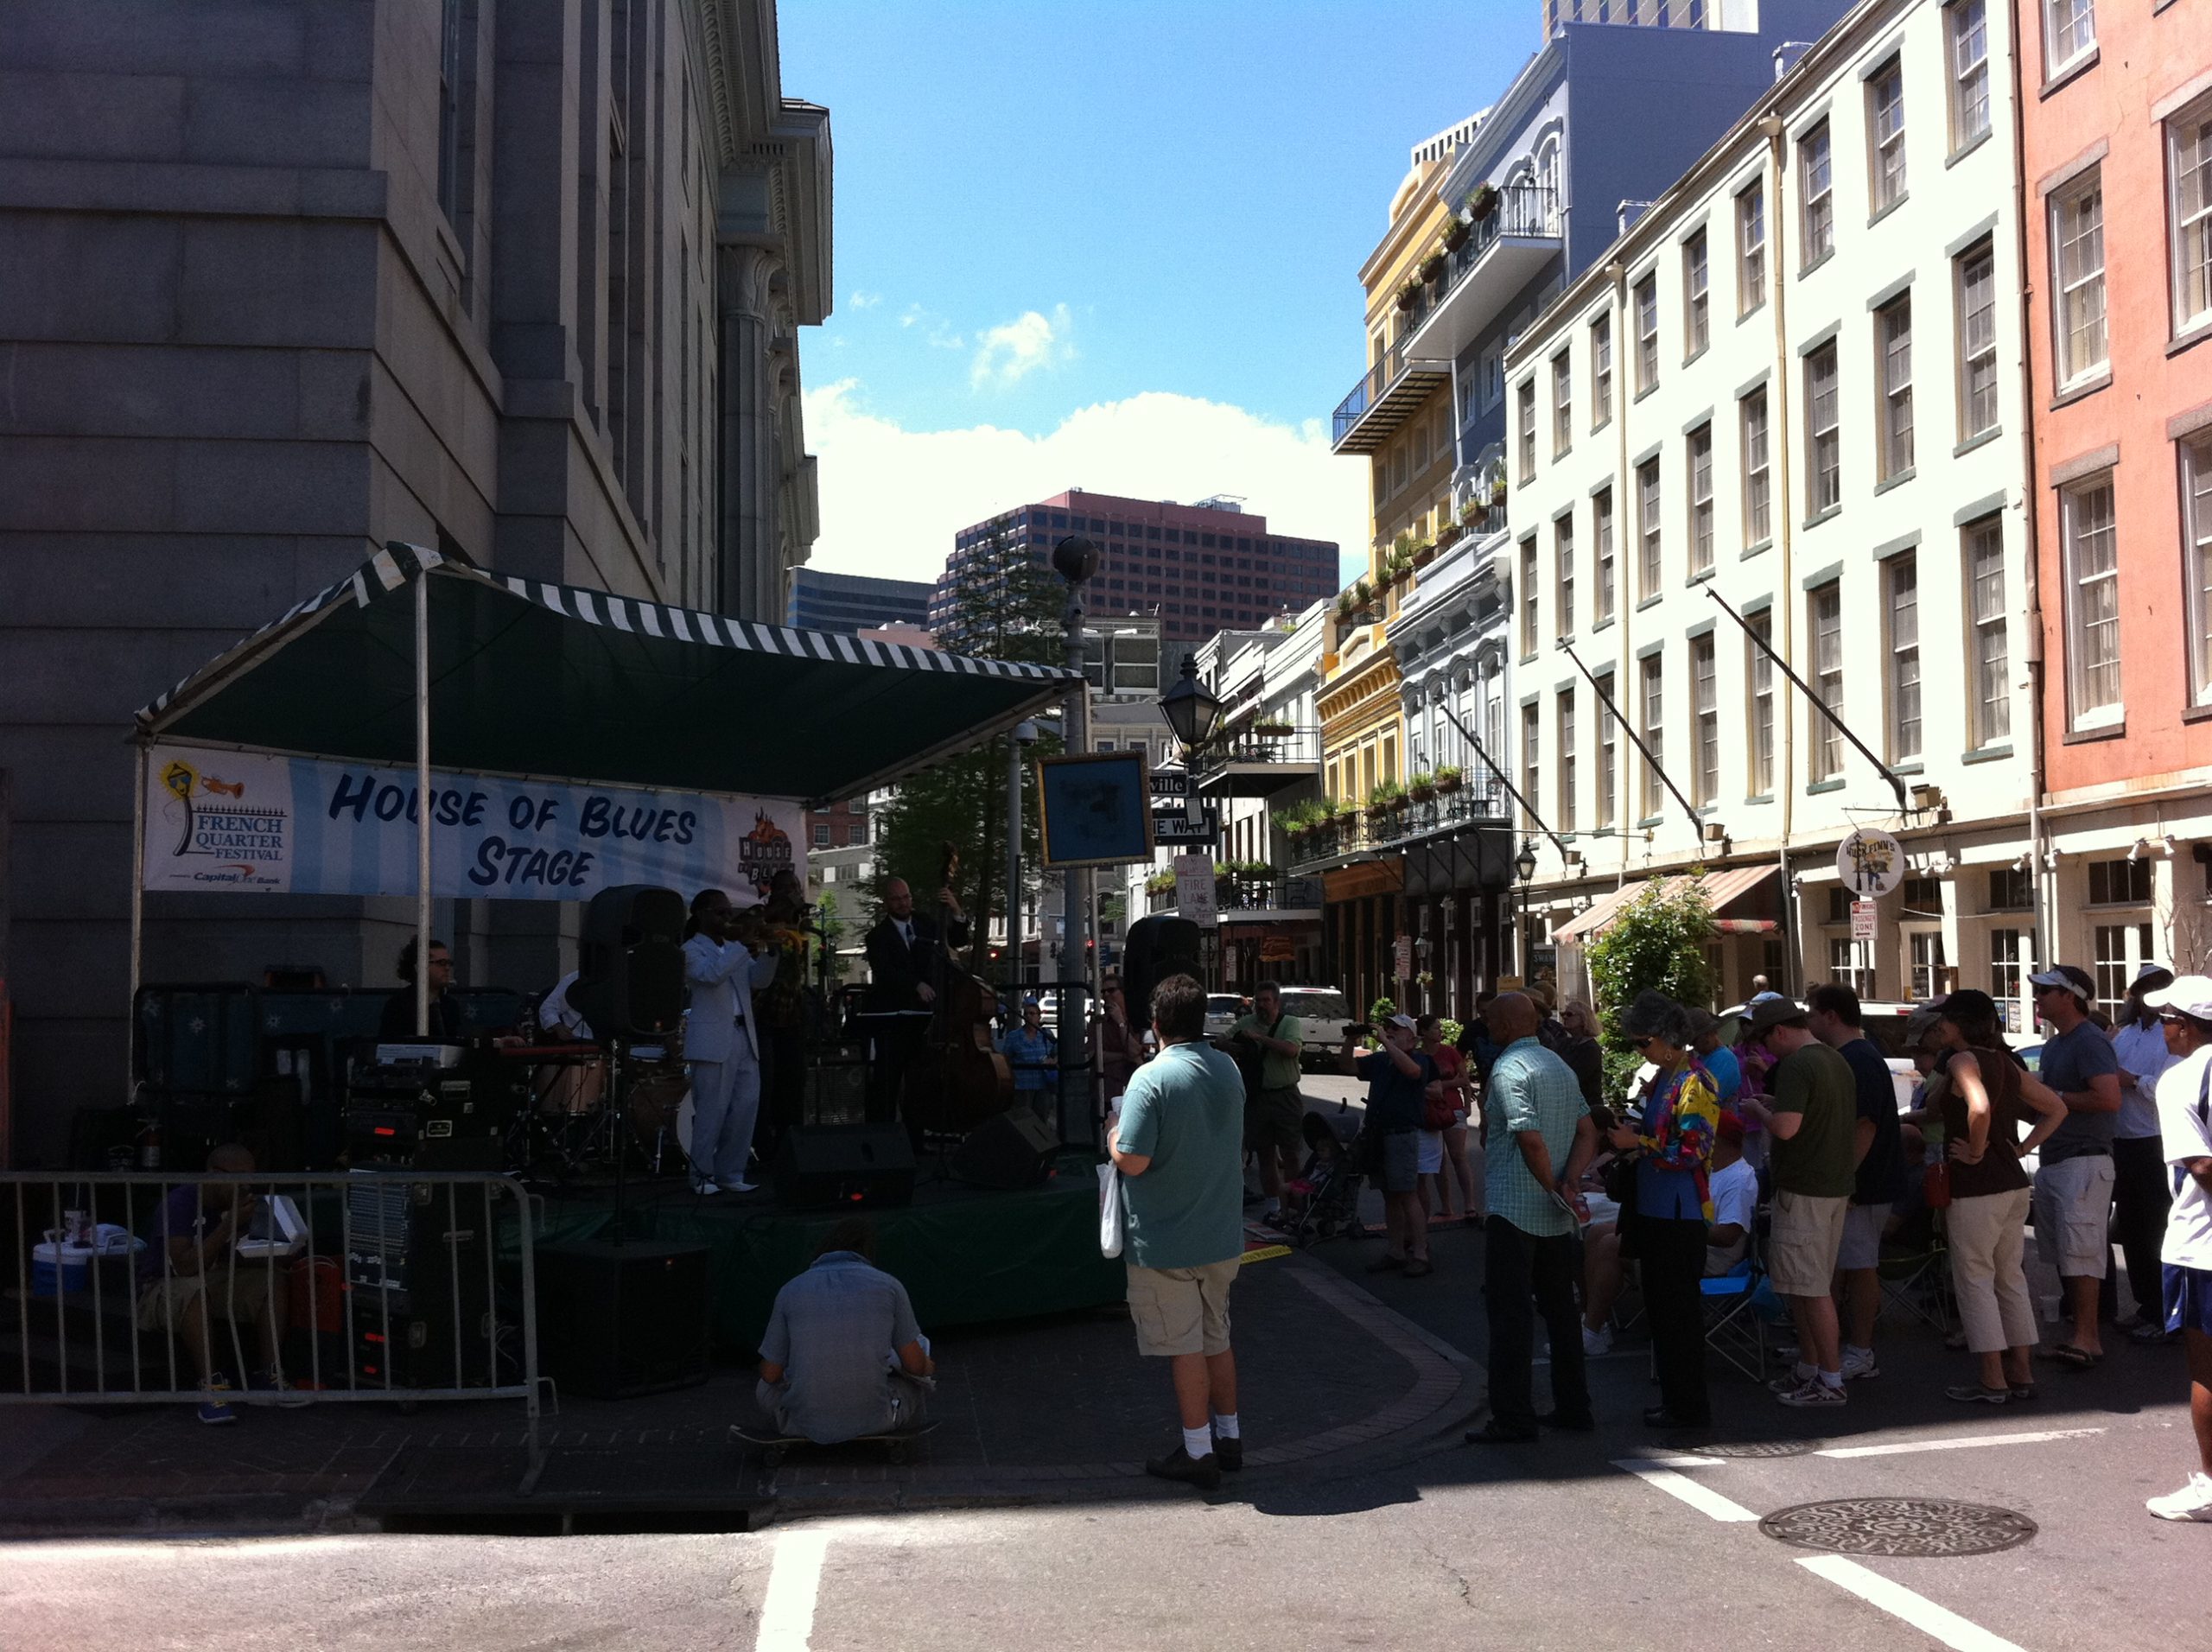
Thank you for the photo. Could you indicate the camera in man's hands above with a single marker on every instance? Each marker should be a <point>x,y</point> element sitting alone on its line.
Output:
<point>1360,1030</point>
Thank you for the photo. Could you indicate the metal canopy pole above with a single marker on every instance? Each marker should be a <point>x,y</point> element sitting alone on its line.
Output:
<point>1529,809</point>
<point>138,913</point>
<point>1697,821</point>
<point>422,801</point>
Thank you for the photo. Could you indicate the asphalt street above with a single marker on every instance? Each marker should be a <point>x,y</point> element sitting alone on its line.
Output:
<point>1604,1539</point>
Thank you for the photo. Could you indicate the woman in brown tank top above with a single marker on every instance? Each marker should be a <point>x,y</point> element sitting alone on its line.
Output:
<point>1985,1101</point>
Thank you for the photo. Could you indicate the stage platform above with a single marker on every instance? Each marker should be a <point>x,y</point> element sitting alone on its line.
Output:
<point>966,1255</point>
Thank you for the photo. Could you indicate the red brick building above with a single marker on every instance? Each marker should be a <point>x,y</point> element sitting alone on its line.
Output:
<point>2116,102</point>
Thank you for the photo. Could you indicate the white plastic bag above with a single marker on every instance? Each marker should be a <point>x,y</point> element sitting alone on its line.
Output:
<point>1113,1215</point>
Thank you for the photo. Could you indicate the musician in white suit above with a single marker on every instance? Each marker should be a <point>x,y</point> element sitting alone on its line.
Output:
<point>721,1044</point>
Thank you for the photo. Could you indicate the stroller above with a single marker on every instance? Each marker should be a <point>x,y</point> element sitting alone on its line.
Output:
<point>1330,1182</point>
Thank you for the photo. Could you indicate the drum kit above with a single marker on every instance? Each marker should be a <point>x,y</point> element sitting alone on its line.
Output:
<point>592,1111</point>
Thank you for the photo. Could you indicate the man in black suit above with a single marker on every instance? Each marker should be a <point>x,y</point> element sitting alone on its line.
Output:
<point>907,959</point>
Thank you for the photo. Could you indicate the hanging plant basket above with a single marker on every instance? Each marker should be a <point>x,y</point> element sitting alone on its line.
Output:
<point>1456,236</point>
<point>1447,779</point>
<point>1482,202</point>
<point>1432,267</point>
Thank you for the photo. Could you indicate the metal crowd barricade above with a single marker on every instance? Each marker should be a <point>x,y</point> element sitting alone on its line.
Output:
<point>436,1285</point>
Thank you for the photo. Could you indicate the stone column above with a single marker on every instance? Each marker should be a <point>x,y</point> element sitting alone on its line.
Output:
<point>751,470</point>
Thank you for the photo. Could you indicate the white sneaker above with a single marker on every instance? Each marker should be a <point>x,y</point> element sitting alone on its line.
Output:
<point>705,1189</point>
<point>1792,1380</point>
<point>2192,1502</point>
<point>1857,1363</point>
<point>1597,1341</point>
<point>1813,1395</point>
<point>742,1187</point>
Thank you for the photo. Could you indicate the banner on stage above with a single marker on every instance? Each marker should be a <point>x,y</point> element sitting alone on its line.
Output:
<point>223,821</point>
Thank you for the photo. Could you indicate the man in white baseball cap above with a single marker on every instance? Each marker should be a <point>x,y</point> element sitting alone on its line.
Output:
<point>2073,1193</point>
<point>2184,1012</point>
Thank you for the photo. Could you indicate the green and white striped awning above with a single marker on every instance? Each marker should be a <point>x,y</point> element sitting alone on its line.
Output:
<point>530,679</point>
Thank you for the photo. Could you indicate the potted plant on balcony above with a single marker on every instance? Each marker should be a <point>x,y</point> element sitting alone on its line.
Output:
<point>1419,553</point>
<point>1430,267</point>
<point>1421,785</point>
<point>1481,203</point>
<point>1159,883</point>
<point>1272,729</point>
<point>1448,777</point>
<point>1362,596</point>
<point>1384,802</point>
<point>1456,233</point>
<point>1474,514</point>
<point>1408,295</point>
<point>1497,491</point>
<point>1446,536</point>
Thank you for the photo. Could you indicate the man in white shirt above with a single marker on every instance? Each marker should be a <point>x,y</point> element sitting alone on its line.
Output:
<point>2139,1192</point>
<point>721,1044</point>
<point>2185,1112</point>
<point>1733,1187</point>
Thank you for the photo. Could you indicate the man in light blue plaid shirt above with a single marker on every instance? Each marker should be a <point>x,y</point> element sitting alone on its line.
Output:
<point>1540,1136</point>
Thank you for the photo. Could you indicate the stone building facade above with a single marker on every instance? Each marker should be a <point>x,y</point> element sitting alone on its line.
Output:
<point>279,283</point>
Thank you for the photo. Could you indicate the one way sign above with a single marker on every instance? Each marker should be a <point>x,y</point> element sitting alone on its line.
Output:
<point>1176,827</point>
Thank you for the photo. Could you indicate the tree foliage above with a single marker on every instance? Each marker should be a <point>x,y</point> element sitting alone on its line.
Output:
<point>1656,940</point>
<point>1006,603</point>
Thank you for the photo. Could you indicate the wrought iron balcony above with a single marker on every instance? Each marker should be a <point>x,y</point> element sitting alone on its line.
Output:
<point>1260,760</point>
<point>1386,395</point>
<point>1277,894</point>
<point>1505,252</point>
<point>1370,830</point>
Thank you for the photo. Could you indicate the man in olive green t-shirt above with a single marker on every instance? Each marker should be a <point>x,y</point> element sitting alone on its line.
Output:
<point>1275,1113</point>
<point>1812,1118</point>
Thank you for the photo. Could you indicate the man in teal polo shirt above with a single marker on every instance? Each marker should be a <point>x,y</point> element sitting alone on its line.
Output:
<point>1178,1143</point>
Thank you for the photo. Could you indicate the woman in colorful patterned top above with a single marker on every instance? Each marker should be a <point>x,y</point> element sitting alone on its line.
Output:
<point>1680,1111</point>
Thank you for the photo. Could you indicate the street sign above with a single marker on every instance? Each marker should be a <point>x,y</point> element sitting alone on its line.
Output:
<point>1862,920</point>
<point>1871,863</point>
<point>1405,958</point>
<point>1170,783</point>
<point>1175,827</point>
<point>1194,889</point>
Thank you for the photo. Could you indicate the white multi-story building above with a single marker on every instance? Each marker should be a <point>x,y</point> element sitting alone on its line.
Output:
<point>1788,409</point>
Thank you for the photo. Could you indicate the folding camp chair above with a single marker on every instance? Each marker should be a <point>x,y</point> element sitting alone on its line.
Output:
<point>1917,1280</point>
<point>1734,1327</point>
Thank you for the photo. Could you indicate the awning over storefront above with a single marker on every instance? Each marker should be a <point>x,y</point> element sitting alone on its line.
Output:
<point>1722,889</point>
<point>531,679</point>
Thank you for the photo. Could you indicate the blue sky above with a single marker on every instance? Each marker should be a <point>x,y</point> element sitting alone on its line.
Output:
<point>1111,246</point>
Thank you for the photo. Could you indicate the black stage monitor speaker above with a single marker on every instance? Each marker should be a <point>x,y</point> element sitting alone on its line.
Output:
<point>1014,1149</point>
<point>1154,949</point>
<point>630,976</point>
<point>615,1321</point>
<point>844,1166</point>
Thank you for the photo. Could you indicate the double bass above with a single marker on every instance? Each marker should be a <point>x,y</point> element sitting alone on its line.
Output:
<point>959,1078</point>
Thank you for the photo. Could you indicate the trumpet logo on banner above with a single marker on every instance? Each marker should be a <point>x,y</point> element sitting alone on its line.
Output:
<point>228,833</point>
<point>306,826</point>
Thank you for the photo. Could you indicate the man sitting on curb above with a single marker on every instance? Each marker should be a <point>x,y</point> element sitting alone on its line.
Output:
<point>842,1356</point>
<point>1178,1142</point>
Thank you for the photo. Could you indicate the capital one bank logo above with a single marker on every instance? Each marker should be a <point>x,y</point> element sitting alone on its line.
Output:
<point>225,834</point>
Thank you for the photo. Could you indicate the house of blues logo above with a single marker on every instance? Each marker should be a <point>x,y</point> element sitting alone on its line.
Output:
<point>762,851</point>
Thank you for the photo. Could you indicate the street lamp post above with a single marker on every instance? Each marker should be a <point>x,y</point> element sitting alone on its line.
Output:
<point>1075,559</point>
<point>1192,711</point>
<point>1525,864</point>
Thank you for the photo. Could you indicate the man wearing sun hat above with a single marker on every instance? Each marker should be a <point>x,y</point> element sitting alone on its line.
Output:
<point>2139,1196</point>
<point>2073,1192</point>
<point>2184,1012</point>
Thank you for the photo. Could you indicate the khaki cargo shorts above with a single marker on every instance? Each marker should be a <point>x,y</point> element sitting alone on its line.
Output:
<point>240,1295</point>
<point>1802,1250</point>
<point>1181,1310</point>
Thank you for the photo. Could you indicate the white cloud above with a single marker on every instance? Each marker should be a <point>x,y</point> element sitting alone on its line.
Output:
<point>861,301</point>
<point>937,332</point>
<point>892,498</point>
<point>1011,352</point>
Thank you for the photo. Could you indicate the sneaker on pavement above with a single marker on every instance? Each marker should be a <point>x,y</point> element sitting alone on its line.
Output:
<point>1229,1453</point>
<point>705,1189</point>
<point>741,1187</point>
<point>1792,1380</point>
<point>1813,1395</point>
<point>215,1408</point>
<point>288,1397</point>
<point>1205,1472</point>
<point>1974,1394</point>
<point>1597,1341</point>
<point>2192,1502</point>
<point>1856,1365</point>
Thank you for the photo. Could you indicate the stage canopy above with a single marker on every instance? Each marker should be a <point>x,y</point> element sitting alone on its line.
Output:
<point>533,679</point>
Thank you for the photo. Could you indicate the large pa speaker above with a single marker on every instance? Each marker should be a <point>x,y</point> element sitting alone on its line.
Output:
<point>1014,1149</point>
<point>615,1321</point>
<point>1154,949</point>
<point>844,1166</point>
<point>630,977</point>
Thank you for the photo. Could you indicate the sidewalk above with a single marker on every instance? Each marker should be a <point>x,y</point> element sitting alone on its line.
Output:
<point>1061,1410</point>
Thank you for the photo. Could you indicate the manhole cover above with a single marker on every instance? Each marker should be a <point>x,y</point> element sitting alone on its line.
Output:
<point>1899,1526</point>
<point>1755,1448</point>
